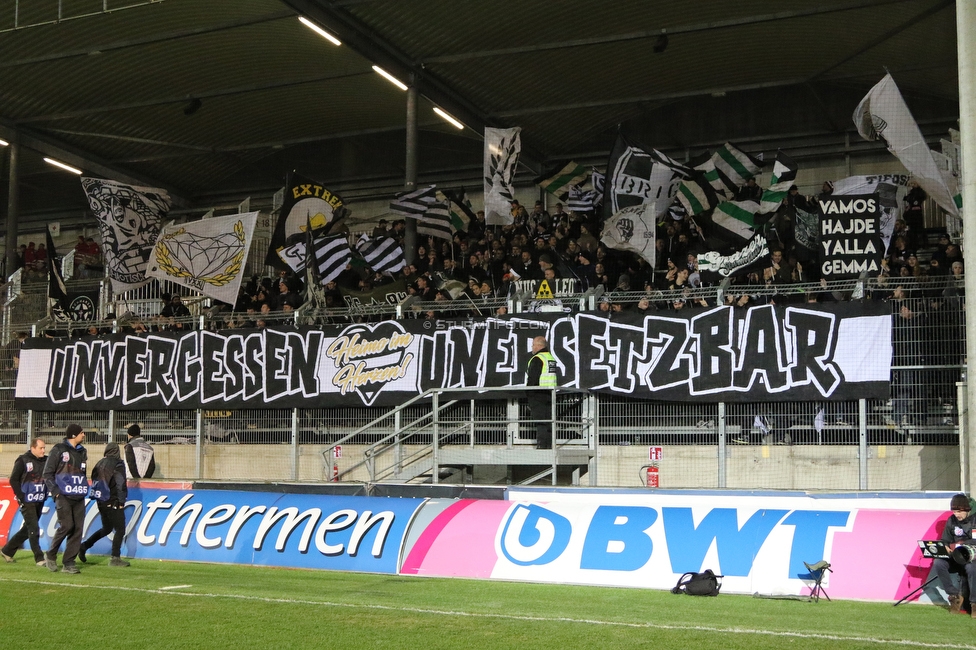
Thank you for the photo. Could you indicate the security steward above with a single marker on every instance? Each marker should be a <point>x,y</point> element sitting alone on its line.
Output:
<point>110,492</point>
<point>66,475</point>
<point>541,371</point>
<point>27,482</point>
<point>958,536</point>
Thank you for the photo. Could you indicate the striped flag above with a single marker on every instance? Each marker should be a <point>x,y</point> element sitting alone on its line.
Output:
<point>383,254</point>
<point>598,181</point>
<point>784,174</point>
<point>736,164</point>
<point>560,179</point>
<point>737,219</point>
<point>331,254</point>
<point>436,221</point>
<point>414,203</point>
<point>582,200</point>
<point>460,206</point>
<point>697,195</point>
<point>722,184</point>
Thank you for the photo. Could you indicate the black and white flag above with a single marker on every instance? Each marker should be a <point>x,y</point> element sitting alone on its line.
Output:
<point>57,293</point>
<point>306,203</point>
<point>436,221</point>
<point>636,177</point>
<point>383,254</point>
<point>415,202</point>
<point>502,149</point>
<point>129,219</point>
<point>330,256</point>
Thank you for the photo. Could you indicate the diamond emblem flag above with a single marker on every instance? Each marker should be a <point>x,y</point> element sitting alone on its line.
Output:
<point>206,255</point>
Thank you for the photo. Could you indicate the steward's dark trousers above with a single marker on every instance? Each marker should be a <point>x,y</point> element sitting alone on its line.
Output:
<point>113,520</point>
<point>71,525</point>
<point>31,512</point>
<point>540,410</point>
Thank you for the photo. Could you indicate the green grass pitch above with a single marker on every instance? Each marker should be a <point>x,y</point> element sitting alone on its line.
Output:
<point>155,604</point>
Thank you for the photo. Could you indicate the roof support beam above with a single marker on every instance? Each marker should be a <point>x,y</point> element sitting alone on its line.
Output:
<point>147,40</point>
<point>89,163</point>
<point>914,20</point>
<point>654,33</point>
<point>182,99</point>
<point>373,47</point>
<point>643,99</point>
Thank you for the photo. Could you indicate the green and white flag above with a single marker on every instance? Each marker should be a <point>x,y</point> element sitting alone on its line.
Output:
<point>697,195</point>
<point>558,181</point>
<point>736,218</point>
<point>722,184</point>
<point>784,175</point>
<point>736,164</point>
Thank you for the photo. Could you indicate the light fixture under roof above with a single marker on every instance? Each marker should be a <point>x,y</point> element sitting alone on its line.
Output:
<point>386,75</point>
<point>3,143</point>
<point>318,30</point>
<point>68,168</point>
<point>450,118</point>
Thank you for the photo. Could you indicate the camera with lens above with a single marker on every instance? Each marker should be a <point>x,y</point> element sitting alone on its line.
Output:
<point>963,554</point>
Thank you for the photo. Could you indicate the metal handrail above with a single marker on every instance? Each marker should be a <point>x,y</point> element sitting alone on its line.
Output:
<point>383,444</point>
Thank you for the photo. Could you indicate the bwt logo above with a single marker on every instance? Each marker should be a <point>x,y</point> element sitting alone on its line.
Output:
<point>617,538</point>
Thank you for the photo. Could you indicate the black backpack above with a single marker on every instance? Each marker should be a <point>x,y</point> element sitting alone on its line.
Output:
<point>698,584</point>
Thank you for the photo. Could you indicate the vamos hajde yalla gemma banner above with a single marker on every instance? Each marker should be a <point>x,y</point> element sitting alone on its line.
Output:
<point>851,240</point>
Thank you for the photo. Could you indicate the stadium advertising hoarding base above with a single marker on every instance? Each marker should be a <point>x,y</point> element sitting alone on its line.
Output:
<point>259,528</point>
<point>624,538</point>
<point>758,541</point>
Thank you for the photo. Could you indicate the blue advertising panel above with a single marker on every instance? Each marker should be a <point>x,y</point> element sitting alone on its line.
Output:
<point>346,533</point>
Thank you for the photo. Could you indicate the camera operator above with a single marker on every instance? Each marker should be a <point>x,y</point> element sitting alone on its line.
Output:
<point>958,537</point>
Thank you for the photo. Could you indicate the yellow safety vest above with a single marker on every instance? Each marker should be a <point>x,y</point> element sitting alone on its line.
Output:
<point>548,376</point>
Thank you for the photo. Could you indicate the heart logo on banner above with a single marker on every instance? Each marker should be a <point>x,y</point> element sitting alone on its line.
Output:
<point>370,357</point>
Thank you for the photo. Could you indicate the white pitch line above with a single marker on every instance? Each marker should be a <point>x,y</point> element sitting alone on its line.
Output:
<point>174,587</point>
<point>513,617</point>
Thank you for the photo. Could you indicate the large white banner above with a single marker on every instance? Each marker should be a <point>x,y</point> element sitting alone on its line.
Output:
<point>206,255</point>
<point>883,114</point>
<point>502,149</point>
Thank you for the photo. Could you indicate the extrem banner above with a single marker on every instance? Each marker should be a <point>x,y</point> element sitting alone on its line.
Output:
<point>767,352</point>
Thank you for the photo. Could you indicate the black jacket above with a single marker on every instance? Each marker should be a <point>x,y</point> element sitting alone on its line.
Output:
<point>66,471</point>
<point>108,479</point>
<point>28,473</point>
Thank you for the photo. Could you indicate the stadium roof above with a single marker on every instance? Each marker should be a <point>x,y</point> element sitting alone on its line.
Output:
<point>216,100</point>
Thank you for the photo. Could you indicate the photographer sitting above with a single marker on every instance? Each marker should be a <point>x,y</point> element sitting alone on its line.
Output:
<point>958,537</point>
